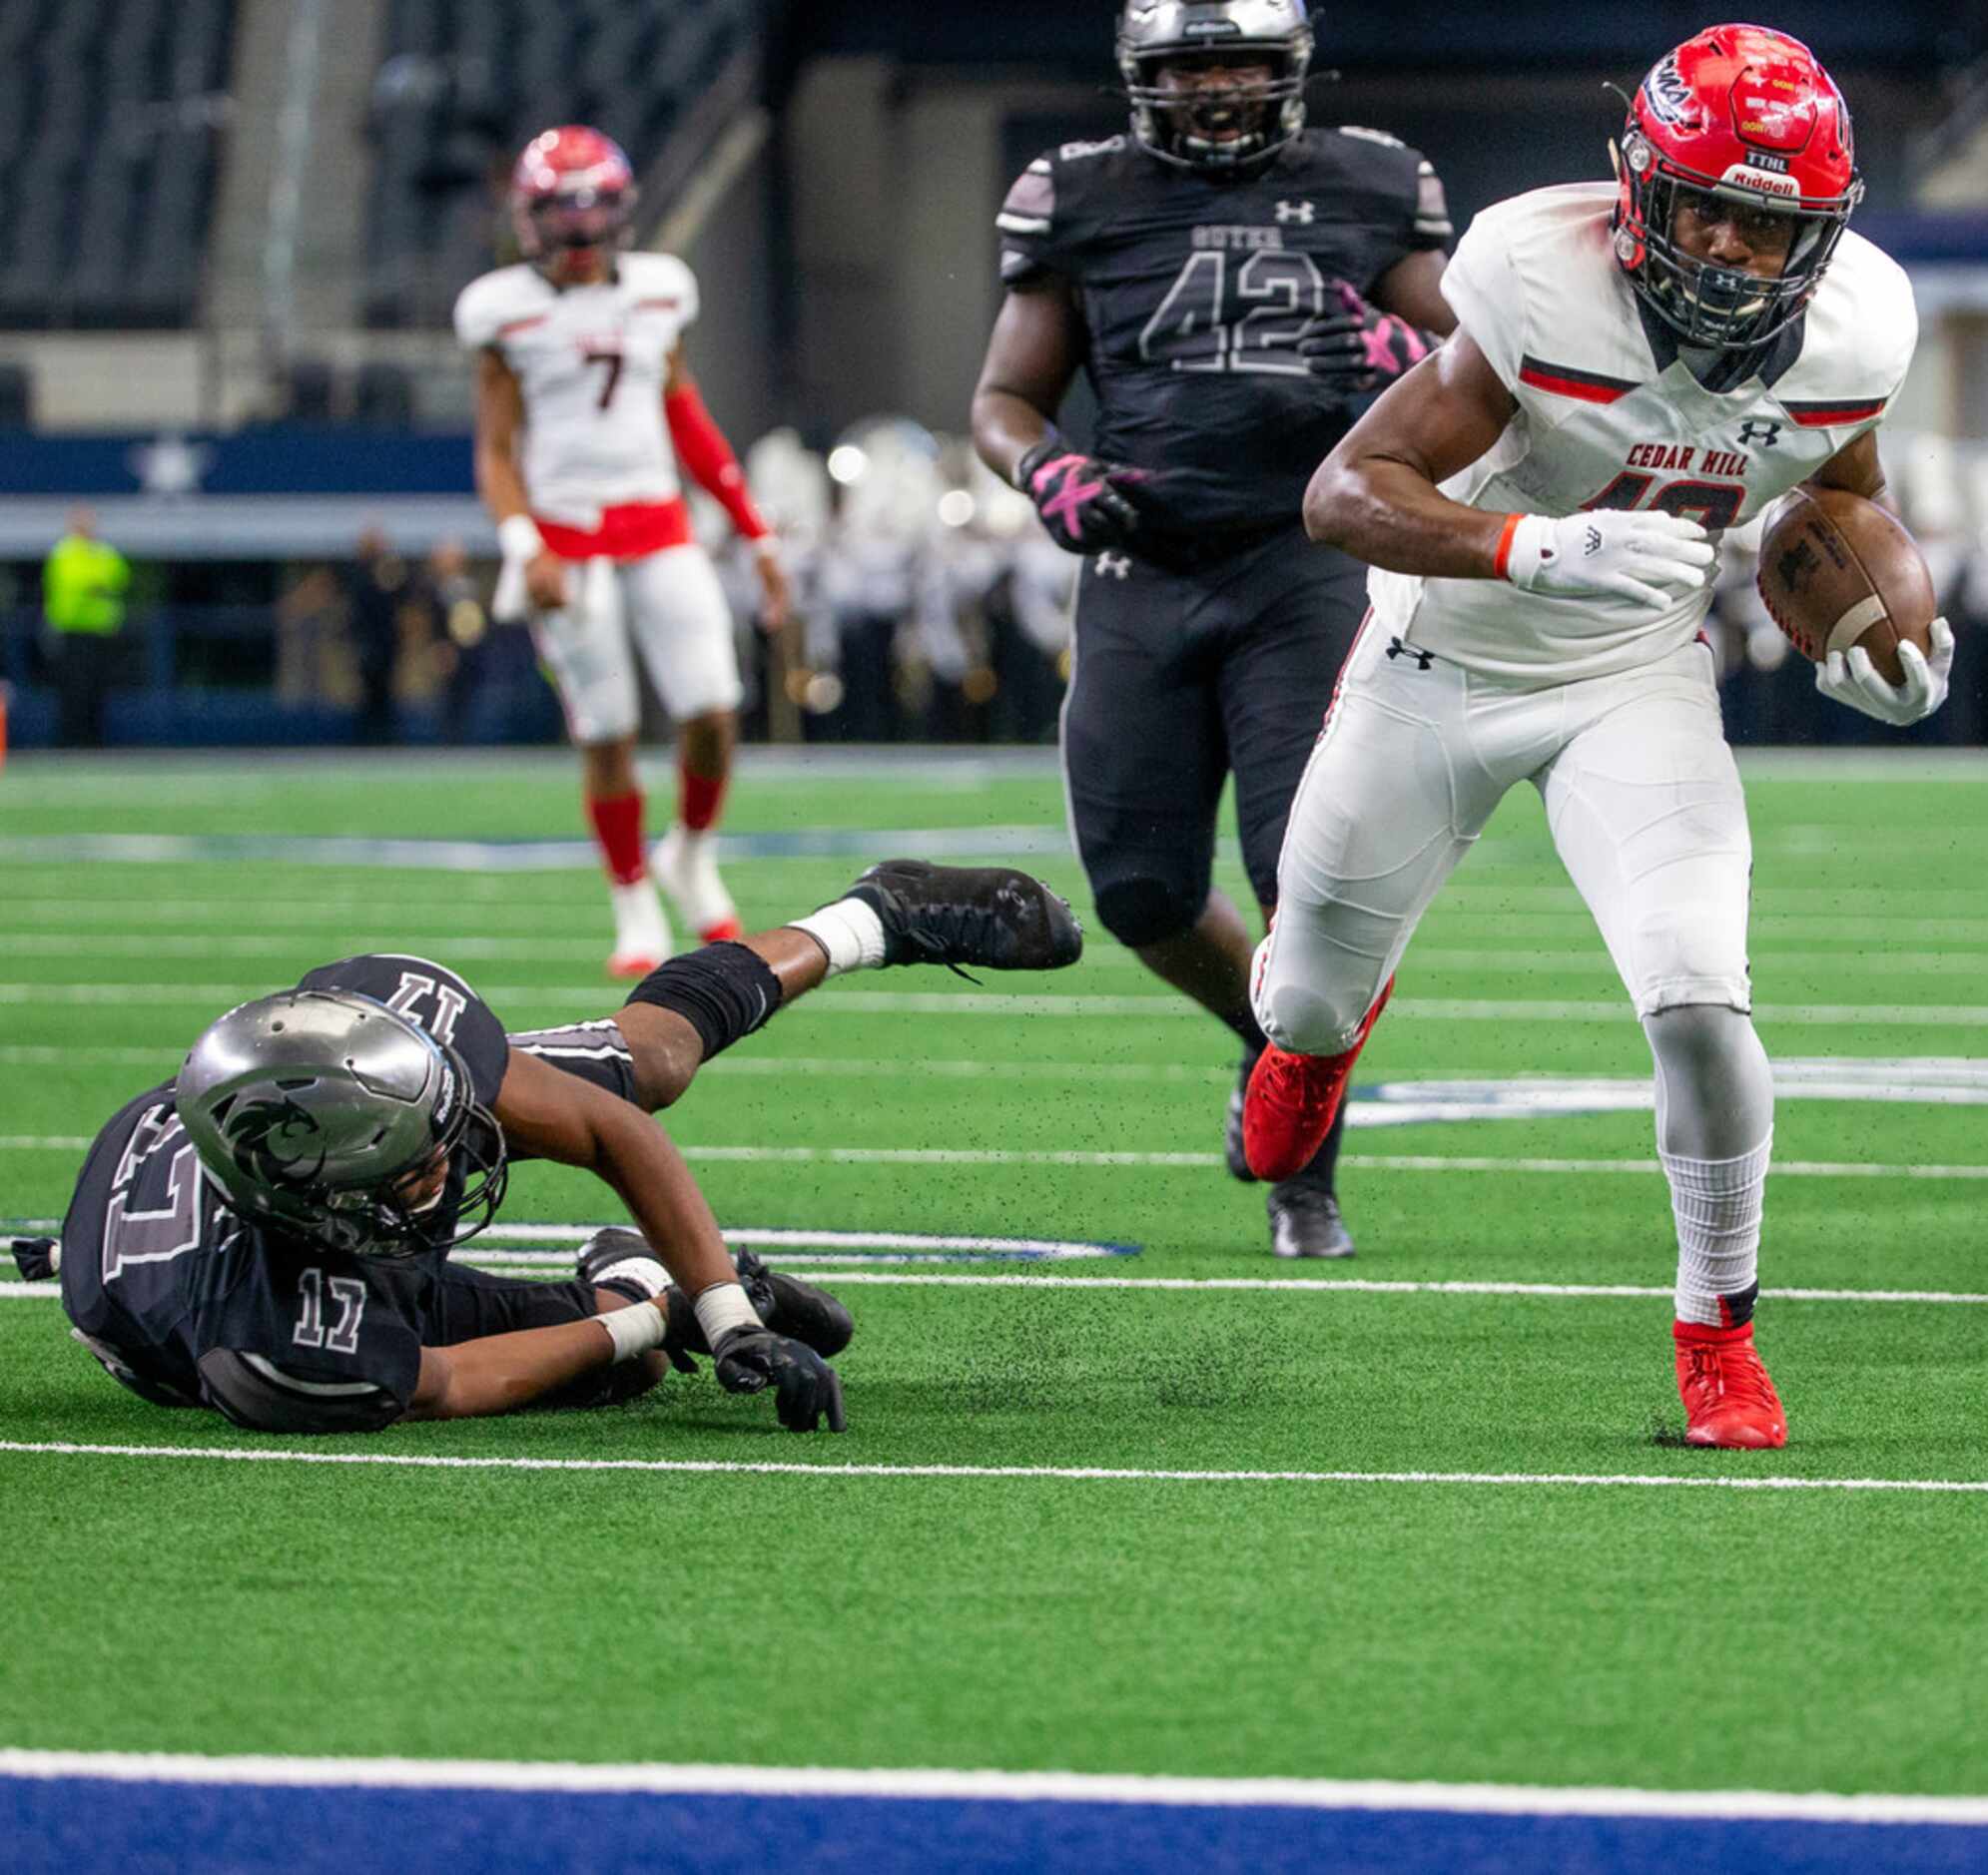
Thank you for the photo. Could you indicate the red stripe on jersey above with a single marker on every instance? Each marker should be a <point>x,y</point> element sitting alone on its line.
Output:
<point>1825,415</point>
<point>657,306</point>
<point>631,531</point>
<point>1563,380</point>
<point>518,325</point>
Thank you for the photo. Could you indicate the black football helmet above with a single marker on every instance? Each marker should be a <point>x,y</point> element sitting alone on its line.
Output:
<point>1224,127</point>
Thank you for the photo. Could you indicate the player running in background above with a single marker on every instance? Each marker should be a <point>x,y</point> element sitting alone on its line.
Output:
<point>1638,366</point>
<point>585,413</point>
<point>1229,281</point>
<point>268,1234</point>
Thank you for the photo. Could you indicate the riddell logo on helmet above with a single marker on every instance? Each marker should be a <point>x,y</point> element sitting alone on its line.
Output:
<point>1761,182</point>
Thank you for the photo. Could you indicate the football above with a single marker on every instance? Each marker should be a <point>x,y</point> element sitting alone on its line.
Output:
<point>1837,570</point>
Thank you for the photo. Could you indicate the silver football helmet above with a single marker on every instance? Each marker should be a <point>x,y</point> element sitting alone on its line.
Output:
<point>336,1122</point>
<point>1227,126</point>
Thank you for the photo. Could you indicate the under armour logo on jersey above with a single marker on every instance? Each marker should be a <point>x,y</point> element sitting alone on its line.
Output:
<point>1759,430</point>
<point>1114,566</point>
<point>1424,660</point>
<point>1303,213</point>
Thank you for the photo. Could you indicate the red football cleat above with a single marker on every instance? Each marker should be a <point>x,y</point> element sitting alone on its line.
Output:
<point>1728,1398</point>
<point>1293,1101</point>
<point>728,931</point>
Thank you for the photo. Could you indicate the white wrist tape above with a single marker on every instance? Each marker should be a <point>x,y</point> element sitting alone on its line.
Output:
<point>518,538</point>
<point>722,1310</point>
<point>633,1330</point>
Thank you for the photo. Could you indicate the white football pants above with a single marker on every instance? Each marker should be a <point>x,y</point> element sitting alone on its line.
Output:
<point>673,607</point>
<point>1642,797</point>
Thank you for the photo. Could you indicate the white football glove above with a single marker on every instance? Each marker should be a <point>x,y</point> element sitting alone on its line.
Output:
<point>1849,678</point>
<point>1653,559</point>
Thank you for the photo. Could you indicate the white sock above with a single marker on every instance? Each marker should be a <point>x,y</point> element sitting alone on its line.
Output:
<point>850,932</point>
<point>1716,1203</point>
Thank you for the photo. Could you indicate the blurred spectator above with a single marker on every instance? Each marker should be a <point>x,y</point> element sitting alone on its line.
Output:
<point>375,585</point>
<point>84,581</point>
<point>486,671</point>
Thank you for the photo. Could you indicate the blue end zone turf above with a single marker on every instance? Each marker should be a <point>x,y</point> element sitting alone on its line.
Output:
<point>61,1826</point>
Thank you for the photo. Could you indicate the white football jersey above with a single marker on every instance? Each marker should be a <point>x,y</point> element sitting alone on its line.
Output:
<point>591,362</point>
<point>1600,424</point>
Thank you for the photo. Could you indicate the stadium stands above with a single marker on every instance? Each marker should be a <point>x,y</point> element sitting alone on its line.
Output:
<point>110,118</point>
<point>459,89</point>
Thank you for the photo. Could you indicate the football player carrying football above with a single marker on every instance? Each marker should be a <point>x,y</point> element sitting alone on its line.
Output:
<point>585,413</point>
<point>1637,366</point>
<point>268,1234</point>
<point>1229,281</point>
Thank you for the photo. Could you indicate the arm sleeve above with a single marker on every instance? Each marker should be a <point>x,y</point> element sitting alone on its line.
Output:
<point>702,449</point>
<point>1489,300</point>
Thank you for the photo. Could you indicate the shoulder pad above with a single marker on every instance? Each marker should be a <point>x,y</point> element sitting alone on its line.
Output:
<point>1370,136</point>
<point>265,1398</point>
<point>494,300</point>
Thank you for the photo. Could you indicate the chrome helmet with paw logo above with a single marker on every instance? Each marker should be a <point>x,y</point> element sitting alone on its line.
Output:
<point>342,1125</point>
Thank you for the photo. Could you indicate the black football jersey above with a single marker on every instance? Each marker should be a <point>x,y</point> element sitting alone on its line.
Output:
<point>157,1272</point>
<point>1194,291</point>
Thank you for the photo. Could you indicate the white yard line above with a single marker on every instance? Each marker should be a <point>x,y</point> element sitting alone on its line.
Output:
<point>1063,1007</point>
<point>838,1270</point>
<point>1064,1474</point>
<point>995,1155</point>
<point>1518,961</point>
<point>761,1780</point>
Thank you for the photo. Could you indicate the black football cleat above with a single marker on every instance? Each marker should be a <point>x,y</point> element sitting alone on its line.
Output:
<point>36,1258</point>
<point>795,1309</point>
<point>991,916</point>
<point>1232,1150</point>
<point>1305,1222</point>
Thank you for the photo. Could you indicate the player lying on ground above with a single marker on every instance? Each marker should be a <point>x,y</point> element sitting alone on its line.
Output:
<point>1629,362</point>
<point>268,1233</point>
<point>587,416</point>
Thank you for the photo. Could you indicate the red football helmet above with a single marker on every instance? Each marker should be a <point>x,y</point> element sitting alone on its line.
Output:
<point>573,195</point>
<point>1740,115</point>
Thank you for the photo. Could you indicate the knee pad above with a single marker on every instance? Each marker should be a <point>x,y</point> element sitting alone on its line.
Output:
<point>1145,910</point>
<point>1305,1017</point>
<point>724,991</point>
<point>1714,1087</point>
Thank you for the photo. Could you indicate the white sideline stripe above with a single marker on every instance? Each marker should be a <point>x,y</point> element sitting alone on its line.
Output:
<point>1069,1474</point>
<point>995,1155</point>
<point>1143,1007</point>
<point>841,1276</point>
<point>761,1780</point>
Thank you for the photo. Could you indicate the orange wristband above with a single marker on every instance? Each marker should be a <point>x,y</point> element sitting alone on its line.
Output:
<point>1504,555</point>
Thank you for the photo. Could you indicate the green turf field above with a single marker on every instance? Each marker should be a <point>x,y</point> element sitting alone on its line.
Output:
<point>1508,1588</point>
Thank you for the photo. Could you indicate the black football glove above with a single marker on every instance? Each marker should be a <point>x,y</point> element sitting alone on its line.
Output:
<point>1086,503</point>
<point>806,1389</point>
<point>36,1258</point>
<point>786,1304</point>
<point>1360,348</point>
